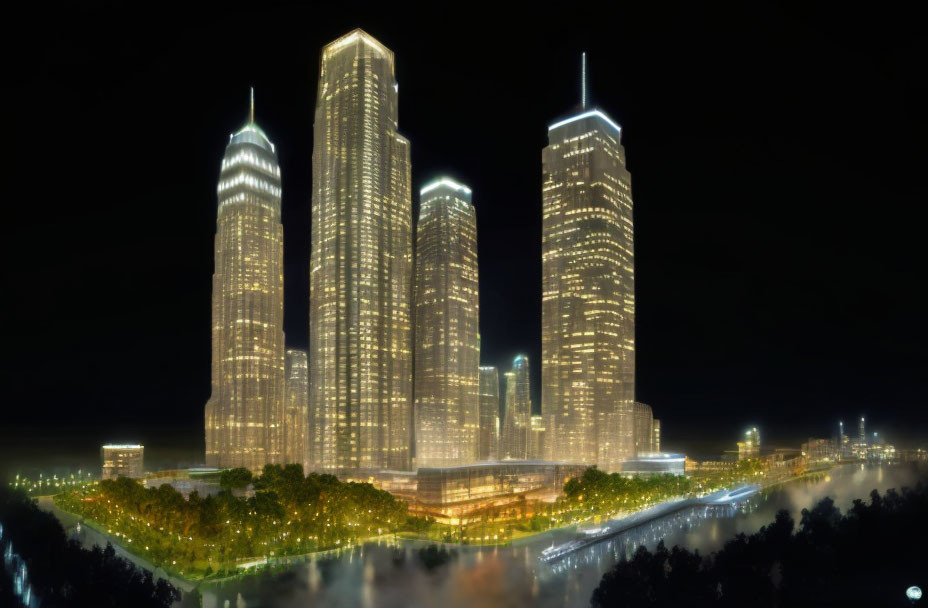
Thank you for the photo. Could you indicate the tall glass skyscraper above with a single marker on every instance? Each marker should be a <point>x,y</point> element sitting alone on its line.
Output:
<point>244,414</point>
<point>360,342</point>
<point>447,343</point>
<point>588,291</point>
<point>515,440</point>
<point>488,437</point>
<point>296,409</point>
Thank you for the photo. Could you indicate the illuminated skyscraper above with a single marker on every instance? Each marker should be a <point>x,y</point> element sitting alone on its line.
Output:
<point>245,411</point>
<point>644,429</point>
<point>656,435</point>
<point>588,290</point>
<point>447,343</point>
<point>488,437</point>
<point>296,409</point>
<point>537,437</point>
<point>750,447</point>
<point>360,342</point>
<point>514,440</point>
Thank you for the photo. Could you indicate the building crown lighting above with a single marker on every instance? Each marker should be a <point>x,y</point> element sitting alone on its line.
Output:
<point>447,183</point>
<point>587,114</point>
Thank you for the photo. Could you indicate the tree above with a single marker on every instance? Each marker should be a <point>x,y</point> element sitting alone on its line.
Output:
<point>234,479</point>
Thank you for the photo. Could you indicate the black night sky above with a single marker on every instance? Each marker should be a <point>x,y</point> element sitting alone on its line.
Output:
<point>777,155</point>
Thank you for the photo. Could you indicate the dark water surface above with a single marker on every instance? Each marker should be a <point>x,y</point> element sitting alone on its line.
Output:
<point>389,575</point>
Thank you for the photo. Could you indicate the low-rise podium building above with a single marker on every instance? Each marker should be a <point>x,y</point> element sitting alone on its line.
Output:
<point>453,494</point>
<point>122,460</point>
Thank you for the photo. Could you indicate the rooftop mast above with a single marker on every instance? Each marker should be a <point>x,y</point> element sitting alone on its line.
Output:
<point>251,114</point>
<point>583,94</point>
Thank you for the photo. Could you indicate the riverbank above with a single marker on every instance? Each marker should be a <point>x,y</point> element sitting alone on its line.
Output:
<point>96,533</point>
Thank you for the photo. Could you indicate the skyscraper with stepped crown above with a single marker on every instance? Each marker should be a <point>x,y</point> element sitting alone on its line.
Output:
<point>361,264</point>
<point>588,289</point>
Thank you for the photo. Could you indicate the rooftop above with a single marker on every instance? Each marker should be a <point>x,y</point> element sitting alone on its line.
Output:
<point>587,114</point>
<point>444,182</point>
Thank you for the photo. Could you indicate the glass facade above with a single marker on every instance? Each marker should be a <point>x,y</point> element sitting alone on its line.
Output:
<point>245,411</point>
<point>361,263</point>
<point>515,441</point>
<point>488,437</point>
<point>447,350</point>
<point>588,292</point>
<point>456,492</point>
<point>296,413</point>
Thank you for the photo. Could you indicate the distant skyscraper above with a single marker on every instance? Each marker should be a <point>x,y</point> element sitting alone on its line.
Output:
<point>656,436</point>
<point>750,447</point>
<point>588,290</point>
<point>447,343</point>
<point>644,429</point>
<point>488,437</point>
<point>537,437</point>
<point>360,343</point>
<point>862,432</point>
<point>514,440</point>
<point>245,411</point>
<point>296,412</point>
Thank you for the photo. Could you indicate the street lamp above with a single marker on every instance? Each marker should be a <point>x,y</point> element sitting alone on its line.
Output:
<point>914,593</point>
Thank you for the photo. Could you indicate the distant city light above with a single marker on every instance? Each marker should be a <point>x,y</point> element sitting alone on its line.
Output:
<point>914,593</point>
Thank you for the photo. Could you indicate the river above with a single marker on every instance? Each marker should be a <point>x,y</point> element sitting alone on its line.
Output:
<point>385,575</point>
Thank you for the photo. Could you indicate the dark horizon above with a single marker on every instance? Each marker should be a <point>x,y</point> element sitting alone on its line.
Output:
<point>776,160</point>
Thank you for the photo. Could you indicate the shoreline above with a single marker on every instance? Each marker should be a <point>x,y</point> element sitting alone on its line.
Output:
<point>257,565</point>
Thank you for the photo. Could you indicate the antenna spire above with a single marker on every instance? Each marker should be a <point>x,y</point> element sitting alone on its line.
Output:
<point>251,114</point>
<point>583,93</point>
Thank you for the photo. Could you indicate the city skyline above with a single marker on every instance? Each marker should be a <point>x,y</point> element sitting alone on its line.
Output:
<point>715,386</point>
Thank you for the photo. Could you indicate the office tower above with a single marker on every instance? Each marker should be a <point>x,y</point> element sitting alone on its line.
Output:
<point>488,437</point>
<point>447,349</point>
<point>360,343</point>
<point>122,460</point>
<point>514,439</point>
<point>244,412</point>
<point>862,432</point>
<point>296,413</point>
<point>750,447</point>
<point>537,437</point>
<point>656,437</point>
<point>588,290</point>
<point>644,428</point>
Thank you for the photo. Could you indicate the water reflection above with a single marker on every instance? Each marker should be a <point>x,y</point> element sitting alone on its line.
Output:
<point>386,574</point>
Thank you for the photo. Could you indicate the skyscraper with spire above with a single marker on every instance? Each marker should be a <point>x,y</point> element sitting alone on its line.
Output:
<point>588,289</point>
<point>360,343</point>
<point>244,413</point>
<point>447,347</point>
